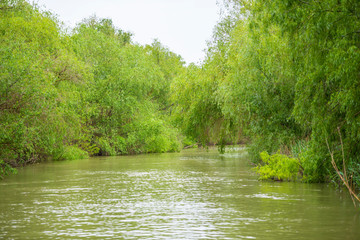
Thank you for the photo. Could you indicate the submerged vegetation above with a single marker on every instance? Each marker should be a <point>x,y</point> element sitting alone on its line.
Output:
<point>280,75</point>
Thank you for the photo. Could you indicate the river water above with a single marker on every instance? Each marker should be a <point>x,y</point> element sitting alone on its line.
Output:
<point>194,194</point>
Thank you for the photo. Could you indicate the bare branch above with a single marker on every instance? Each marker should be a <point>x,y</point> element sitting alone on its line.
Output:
<point>345,181</point>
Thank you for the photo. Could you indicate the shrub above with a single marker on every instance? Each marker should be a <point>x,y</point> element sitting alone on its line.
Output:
<point>278,167</point>
<point>6,169</point>
<point>73,152</point>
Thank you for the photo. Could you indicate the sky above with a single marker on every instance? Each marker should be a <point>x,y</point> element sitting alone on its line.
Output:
<point>184,26</point>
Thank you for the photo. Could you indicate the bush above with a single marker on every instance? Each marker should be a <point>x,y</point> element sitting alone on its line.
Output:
<point>189,142</point>
<point>278,167</point>
<point>6,169</point>
<point>153,135</point>
<point>316,165</point>
<point>73,152</point>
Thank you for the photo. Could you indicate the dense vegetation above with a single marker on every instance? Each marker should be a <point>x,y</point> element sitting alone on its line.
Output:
<point>88,92</point>
<point>285,74</point>
<point>282,75</point>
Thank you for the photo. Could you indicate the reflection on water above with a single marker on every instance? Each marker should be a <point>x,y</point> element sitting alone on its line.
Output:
<point>190,195</point>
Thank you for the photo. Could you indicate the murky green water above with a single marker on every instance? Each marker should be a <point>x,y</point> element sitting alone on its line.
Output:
<point>189,195</point>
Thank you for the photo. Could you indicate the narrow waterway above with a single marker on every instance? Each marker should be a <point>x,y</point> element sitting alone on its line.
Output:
<point>194,194</point>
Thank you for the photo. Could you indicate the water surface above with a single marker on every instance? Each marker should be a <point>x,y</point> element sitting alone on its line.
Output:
<point>189,195</point>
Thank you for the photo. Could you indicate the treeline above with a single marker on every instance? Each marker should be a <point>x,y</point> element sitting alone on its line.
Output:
<point>282,75</point>
<point>286,75</point>
<point>88,92</point>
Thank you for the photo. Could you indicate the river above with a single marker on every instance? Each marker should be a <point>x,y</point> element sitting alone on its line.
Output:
<point>194,194</point>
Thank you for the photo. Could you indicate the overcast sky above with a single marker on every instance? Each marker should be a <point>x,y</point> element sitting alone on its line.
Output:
<point>183,26</point>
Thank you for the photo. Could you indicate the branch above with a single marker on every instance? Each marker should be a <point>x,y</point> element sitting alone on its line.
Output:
<point>345,181</point>
<point>191,146</point>
<point>343,155</point>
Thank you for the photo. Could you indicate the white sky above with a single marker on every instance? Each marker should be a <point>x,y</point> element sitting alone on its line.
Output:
<point>183,26</point>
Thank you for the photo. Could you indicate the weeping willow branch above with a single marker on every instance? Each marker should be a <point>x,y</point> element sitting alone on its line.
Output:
<point>343,176</point>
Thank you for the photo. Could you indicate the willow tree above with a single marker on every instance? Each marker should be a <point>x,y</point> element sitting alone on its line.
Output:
<point>126,93</point>
<point>325,45</point>
<point>39,77</point>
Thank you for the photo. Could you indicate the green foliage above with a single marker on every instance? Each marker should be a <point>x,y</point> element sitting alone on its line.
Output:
<point>6,169</point>
<point>68,96</point>
<point>278,167</point>
<point>314,165</point>
<point>196,109</point>
<point>283,74</point>
<point>189,142</point>
<point>245,87</point>
<point>194,112</point>
<point>158,136</point>
<point>39,82</point>
<point>73,152</point>
<point>325,48</point>
<point>170,64</point>
<point>129,89</point>
<point>107,28</point>
<point>354,173</point>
